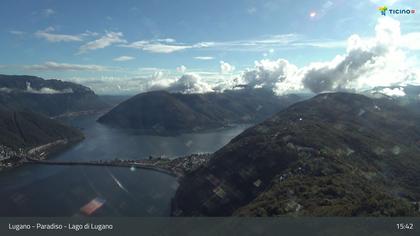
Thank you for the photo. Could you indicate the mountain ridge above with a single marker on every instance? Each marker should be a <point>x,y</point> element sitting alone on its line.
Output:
<point>49,97</point>
<point>163,112</point>
<point>336,154</point>
<point>26,130</point>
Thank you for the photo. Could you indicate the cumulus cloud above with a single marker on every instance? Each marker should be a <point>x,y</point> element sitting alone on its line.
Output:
<point>189,83</point>
<point>226,68</point>
<point>382,60</point>
<point>367,63</point>
<point>105,41</point>
<point>48,35</point>
<point>55,66</point>
<point>159,80</point>
<point>181,69</point>
<point>270,74</point>
<point>124,58</point>
<point>411,41</point>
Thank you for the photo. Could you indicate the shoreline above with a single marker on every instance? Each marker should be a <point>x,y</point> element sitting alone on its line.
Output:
<point>177,167</point>
<point>42,152</point>
<point>81,113</point>
<point>175,133</point>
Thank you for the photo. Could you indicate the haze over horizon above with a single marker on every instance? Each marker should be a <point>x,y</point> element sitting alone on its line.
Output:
<point>193,47</point>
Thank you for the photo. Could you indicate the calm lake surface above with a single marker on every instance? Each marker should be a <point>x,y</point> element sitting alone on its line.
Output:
<point>39,190</point>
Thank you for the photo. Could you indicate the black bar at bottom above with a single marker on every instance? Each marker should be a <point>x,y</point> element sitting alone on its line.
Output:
<point>210,226</point>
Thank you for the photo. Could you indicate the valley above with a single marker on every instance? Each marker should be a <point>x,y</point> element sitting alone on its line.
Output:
<point>334,154</point>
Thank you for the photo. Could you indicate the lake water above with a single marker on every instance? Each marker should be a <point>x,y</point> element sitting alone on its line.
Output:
<point>39,190</point>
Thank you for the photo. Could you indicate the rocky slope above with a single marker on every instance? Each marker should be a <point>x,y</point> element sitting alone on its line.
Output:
<point>162,112</point>
<point>336,154</point>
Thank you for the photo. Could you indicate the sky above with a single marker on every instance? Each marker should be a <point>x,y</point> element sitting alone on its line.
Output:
<point>127,47</point>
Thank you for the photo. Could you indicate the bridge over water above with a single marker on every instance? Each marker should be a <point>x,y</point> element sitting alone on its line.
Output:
<point>153,165</point>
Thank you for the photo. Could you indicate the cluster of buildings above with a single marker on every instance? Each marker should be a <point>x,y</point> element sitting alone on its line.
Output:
<point>189,163</point>
<point>10,157</point>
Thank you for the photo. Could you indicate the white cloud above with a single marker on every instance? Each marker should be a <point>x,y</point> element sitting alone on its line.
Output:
<point>263,44</point>
<point>189,83</point>
<point>379,61</point>
<point>226,68</point>
<point>411,41</point>
<point>88,33</point>
<point>321,44</point>
<point>157,80</point>
<point>367,63</point>
<point>181,69</point>
<point>273,42</point>
<point>204,58</point>
<point>105,41</point>
<point>266,43</point>
<point>55,66</point>
<point>162,46</point>
<point>382,60</point>
<point>124,58</point>
<point>46,90</point>
<point>269,74</point>
<point>396,92</point>
<point>167,40</point>
<point>51,37</point>
<point>43,90</point>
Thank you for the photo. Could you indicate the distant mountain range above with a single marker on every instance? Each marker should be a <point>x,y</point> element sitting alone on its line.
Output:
<point>49,97</point>
<point>336,154</point>
<point>407,96</point>
<point>167,113</point>
<point>27,102</point>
